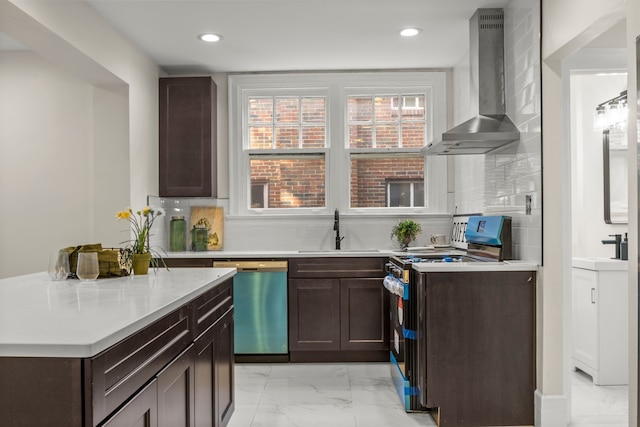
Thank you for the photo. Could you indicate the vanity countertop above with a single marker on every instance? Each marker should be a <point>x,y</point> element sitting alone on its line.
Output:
<point>599,263</point>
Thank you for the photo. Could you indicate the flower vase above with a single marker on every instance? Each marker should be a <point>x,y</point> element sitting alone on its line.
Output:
<point>141,263</point>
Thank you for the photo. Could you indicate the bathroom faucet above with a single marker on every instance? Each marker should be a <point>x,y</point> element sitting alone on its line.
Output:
<point>617,240</point>
<point>336,227</point>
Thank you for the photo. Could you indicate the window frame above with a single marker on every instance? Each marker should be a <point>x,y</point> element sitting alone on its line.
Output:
<point>336,87</point>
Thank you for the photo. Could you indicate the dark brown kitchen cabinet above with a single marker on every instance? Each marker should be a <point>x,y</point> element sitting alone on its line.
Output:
<point>155,377</point>
<point>214,378</point>
<point>187,130</point>
<point>338,310</point>
<point>477,346</point>
<point>176,392</point>
<point>139,411</point>
<point>189,262</point>
<point>364,313</point>
<point>314,315</point>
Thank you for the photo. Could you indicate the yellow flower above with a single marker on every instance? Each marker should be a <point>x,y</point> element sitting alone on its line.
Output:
<point>146,210</point>
<point>123,215</point>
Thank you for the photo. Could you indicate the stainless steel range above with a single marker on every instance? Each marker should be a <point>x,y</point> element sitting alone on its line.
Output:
<point>473,239</point>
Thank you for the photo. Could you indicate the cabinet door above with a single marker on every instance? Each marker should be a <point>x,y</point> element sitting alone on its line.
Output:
<point>364,315</point>
<point>314,314</point>
<point>176,392</point>
<point>585,315</point>
<point>204,404</point>
<point>140,411</point>
<point>214,384</point>
<point>187,153</point>
<point>224,366</point>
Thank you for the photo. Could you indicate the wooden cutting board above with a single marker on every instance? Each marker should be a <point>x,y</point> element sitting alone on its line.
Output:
<point>213,219</point>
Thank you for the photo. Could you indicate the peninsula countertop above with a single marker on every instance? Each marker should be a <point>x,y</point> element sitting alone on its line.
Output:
<point>70,318</point>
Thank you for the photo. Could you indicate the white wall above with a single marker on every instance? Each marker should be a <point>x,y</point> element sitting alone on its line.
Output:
<point>567,26</point>
<point>633,31</point>
<point>41,158</point>
<point>88,100</point>
<point>64,162</point>
<point>588,226</point>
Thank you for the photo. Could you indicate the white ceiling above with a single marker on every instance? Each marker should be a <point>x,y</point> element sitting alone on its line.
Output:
<point>278,35</point>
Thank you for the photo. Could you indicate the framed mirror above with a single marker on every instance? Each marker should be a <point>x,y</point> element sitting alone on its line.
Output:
<point>615,171</point>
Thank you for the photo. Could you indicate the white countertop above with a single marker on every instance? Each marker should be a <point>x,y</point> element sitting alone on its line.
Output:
<point>42,318</point>
<point>308,253</point>
<point>440,267</point>
<point>600,264</point>
<point>281,254</point>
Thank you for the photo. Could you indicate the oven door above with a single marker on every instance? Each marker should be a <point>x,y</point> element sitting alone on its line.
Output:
<point>396,314</point>
<point>397,319</point>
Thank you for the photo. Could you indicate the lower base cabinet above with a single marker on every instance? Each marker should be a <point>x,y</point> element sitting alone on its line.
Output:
<point>195,390</point>
<point>478,334</point>
<point>176,372</point>
<point>140,411</point>
<point>213,357</point>
<point>338,310</point>
<point>175,392</point>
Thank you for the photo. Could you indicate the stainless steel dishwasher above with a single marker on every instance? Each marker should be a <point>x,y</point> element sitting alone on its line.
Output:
<point>260,301</point>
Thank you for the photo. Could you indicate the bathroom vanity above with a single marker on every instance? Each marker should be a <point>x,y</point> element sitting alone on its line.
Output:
<point>599,319</point>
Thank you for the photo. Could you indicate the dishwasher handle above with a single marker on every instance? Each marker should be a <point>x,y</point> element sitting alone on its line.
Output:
<point>249,266</point>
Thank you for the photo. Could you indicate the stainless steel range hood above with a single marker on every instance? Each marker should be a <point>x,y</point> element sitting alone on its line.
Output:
<point>491,128</point>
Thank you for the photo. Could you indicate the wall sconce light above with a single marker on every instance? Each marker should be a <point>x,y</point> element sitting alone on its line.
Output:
<point>612,114</point>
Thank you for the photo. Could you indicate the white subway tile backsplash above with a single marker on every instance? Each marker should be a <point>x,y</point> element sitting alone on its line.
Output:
<point>528,184</point>
<point>297,233</point>
<point>511,173</point>
<point>505,188</point>
<point>504,157</point>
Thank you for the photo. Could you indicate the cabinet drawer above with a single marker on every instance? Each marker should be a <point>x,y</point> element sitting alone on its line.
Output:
<point>210,306</point>
<point>329,267</point>
<point>188,262</point>
<point>120,371</point>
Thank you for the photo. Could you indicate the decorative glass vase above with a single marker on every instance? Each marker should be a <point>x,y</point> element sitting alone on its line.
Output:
<point>141,263</point>
<point>177,234</point>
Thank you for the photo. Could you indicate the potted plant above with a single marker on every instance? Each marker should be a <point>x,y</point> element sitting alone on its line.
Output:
<point>142,256</point>
<point>406,232</point>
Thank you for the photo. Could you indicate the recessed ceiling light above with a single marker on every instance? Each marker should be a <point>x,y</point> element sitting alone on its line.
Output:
<point>410,32</point>
<point>210,37</point>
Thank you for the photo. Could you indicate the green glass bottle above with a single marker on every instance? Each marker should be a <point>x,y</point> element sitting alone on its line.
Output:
<point>199,238</point>
<point>177,234</point>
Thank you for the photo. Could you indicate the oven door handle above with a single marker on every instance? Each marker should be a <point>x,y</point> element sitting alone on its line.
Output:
<point>394,285</point>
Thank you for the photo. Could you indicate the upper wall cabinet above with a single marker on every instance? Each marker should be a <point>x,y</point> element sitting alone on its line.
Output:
<point>187,137</point>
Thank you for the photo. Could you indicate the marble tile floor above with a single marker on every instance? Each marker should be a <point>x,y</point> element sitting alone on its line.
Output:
<point>310,395</point>
<point>358,395</point>
<point>597,406</point>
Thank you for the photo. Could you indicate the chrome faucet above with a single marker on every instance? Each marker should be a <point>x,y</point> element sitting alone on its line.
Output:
<point>617,241</point>
<point>336,227</point>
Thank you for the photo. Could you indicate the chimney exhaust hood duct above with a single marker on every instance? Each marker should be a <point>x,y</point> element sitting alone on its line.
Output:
<point>491,128</point>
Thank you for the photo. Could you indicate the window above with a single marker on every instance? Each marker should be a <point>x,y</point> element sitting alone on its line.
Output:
<point>405,193</point>
<point>409,102</point>
<point>375,122</point>
<point>310,143</point>
<point>282,176</point>
<point>259,194</point>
